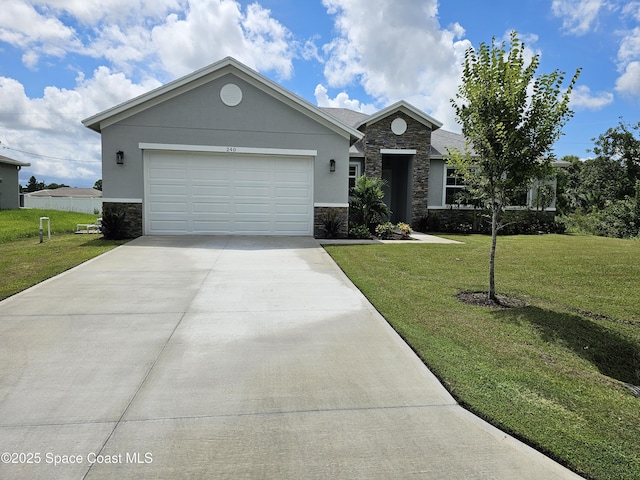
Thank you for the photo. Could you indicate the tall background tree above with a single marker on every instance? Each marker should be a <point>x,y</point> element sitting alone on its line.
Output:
<point>601,196</point>
<point>510,118</point>
<point>619,144</point>
<point>34,185</point>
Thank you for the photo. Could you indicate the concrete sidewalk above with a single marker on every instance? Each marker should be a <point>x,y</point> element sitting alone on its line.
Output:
<point>227,357</point>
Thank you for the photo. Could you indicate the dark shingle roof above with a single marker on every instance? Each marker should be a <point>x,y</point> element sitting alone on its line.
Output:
<point>346,116</point>
<point>442,141</point>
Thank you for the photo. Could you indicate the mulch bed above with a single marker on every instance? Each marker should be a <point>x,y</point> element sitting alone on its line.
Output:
<point>481,299</point>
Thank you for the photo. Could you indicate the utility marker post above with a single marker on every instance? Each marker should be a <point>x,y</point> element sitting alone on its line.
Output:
<point>48,227</point>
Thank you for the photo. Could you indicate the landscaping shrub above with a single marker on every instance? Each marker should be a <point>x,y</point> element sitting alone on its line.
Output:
<point>385,230</point>
<point>618,219</point>
<point>114,223</point>
<point>515,222</point>
<point>332,225</point>
<point>359,231</point>
<point>388,230</point>
<point>405,229</point>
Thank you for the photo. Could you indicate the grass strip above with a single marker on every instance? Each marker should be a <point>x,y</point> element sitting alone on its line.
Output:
<point>24,261</point>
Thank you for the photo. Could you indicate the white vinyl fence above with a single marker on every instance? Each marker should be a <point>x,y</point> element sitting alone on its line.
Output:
<point>66,204</point>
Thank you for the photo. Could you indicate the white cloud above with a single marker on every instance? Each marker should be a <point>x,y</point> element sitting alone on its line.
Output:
<point>629,82</point>
<point>50,126</point>
<point>176,36</point>
<point>578,16</point>
<point>152,41</point>
<point>22,26</point>
<point>214,29</point>
<point>583,98</point>
<point>632,9</point>
<point>310,51</point>
<point>415,59</point>
<point>630,46</point>
<point>342,100</point>
<point>89,12</point>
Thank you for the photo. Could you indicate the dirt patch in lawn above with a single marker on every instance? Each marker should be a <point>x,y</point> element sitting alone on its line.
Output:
<point>481,299</point>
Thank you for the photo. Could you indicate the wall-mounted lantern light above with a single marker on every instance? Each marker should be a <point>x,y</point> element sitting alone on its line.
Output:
<point>332,165</point>
<point>119,157</point>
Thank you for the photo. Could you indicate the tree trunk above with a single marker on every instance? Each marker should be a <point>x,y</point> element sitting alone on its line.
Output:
<point>492,260</point>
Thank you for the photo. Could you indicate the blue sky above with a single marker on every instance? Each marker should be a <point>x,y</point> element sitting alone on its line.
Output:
<point>65,60</point>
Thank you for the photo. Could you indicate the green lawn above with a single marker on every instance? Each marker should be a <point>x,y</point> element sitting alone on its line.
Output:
<point>24,261</point>
<point>551,373</point>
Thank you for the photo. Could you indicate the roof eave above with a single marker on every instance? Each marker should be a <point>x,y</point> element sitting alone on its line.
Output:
<point>15,163</point>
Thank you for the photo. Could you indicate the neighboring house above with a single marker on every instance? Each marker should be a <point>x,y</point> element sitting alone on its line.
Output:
<point>9,183</point>
<point>68,199</point>
<point>225,150</point>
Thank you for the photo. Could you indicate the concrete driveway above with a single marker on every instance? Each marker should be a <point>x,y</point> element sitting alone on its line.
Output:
<point>227,357</point>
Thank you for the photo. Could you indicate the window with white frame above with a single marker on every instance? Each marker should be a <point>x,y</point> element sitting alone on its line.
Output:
<point>454,186</point>
<point>519,198</point>
<point>354,173</point>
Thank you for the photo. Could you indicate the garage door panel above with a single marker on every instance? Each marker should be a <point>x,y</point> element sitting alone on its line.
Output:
<point>168,226</point>
<point>252,228</point>
<point>167,189</point>
<point>168,207</point>
<point>291,193</point>
<point>252,209</point>
<point>211,170</point>
<point>294,178</point>
<point>244,195</point>
<point>169,174</point>
<point>290,228</point>
<point>207,227</point>
<point>210,207</point>
<point>263,193</point>
<point>211,191</point>
<point>249,177</point>
<point>281,209</point>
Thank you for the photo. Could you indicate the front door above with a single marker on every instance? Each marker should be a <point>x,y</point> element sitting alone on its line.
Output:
<point>396,172</point>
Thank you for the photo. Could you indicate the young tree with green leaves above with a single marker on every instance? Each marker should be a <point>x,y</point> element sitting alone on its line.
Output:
<point>510,118</point>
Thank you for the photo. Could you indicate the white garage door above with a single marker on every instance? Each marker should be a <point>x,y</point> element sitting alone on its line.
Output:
<point>194,193</point>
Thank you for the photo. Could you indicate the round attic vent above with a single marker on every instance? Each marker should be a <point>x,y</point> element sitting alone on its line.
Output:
<point>231,95</point>
<point>398,126</point>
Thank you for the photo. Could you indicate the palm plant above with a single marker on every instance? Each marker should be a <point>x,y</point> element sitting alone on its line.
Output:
<point>367,202</point>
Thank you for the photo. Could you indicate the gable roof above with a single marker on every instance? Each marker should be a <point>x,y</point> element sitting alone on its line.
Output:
<point>406,108</point>
<point>208,74</point>
<point>11,161</point>
<point>441,140</point>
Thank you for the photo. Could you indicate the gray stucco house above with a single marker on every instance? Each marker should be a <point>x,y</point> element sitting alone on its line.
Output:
<point>9,183</point>
<point>225,150</point>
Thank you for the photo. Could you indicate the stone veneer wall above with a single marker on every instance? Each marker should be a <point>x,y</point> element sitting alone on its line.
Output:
<point>132,218</point>
<point>417,137</point>
<point>321,213</point>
